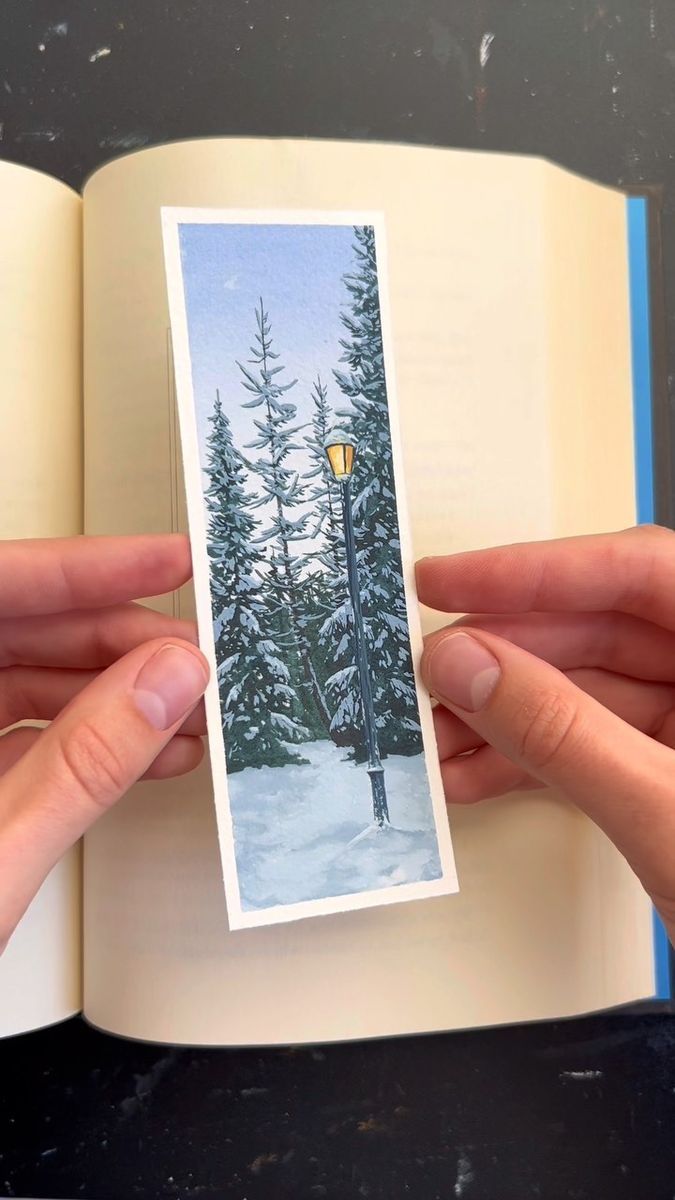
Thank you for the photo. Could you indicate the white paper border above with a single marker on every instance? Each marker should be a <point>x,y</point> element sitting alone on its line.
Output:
<point>172,219</point>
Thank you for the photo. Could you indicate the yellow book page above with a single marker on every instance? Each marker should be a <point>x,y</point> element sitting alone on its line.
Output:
<point>41,473</point>
<point>482,329</point>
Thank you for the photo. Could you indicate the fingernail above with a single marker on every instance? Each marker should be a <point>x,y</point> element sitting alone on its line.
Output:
<point>169,685</point>
<point>462,671</point>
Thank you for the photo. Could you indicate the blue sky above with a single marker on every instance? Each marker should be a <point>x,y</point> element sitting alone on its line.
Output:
<point>298,271</point>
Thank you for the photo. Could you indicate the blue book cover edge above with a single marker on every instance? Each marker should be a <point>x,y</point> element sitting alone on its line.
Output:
<point>641,353</point>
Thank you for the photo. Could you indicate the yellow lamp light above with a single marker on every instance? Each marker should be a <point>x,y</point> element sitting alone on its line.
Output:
<point>340,451</point>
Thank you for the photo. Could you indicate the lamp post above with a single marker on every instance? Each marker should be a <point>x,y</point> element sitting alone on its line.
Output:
<point>340,451</point>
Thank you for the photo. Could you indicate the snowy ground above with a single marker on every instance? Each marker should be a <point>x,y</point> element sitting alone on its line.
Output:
<point>295,828</point>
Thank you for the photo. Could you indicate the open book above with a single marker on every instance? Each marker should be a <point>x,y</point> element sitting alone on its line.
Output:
<point>511,289</point>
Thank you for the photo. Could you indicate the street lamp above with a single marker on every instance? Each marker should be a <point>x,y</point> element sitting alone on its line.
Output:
<point>340,452</point>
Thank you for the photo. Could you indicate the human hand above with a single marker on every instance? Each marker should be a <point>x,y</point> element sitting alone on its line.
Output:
<point>564,677</point>
<point>122,683</point>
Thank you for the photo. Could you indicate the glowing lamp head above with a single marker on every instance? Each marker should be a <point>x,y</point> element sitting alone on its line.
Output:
<point>340,451</point>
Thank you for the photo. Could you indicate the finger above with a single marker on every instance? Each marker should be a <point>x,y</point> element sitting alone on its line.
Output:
<point>82,639</point>
<point>617,642</point>
<point>15,743</point>
<point>40,694</point>
<point>632,571</point>
<point>453,736</point>
<point>87,758</point>
<point>181,755</point>
<point>646,706</point>
<point>483,775</point>
<point>536,717</point>
<point>51,575</point>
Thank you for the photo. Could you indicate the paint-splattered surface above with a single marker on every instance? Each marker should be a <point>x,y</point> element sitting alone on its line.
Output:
<point>583,1110</point>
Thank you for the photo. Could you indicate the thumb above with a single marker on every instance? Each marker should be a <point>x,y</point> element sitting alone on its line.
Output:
<point>101,743</point>
<point>535,716</point>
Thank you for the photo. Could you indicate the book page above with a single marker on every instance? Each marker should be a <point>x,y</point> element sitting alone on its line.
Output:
<point>549,920</point>
<point>41,473</point>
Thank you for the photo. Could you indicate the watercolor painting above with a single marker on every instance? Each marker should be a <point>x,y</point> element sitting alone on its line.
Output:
<point>332,794</point>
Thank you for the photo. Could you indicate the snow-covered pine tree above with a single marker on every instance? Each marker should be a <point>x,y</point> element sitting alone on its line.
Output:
<point>281,491</point>
<point>326,582</point>
<point>258,704</point>
<point>324,492</point>
<point>376,526</point>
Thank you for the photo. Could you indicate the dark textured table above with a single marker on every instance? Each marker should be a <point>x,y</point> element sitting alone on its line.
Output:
<point>582,1109</point>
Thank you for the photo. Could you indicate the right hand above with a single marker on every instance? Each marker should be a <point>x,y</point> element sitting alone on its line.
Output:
<point>121,681</point>
<point>564,676</point>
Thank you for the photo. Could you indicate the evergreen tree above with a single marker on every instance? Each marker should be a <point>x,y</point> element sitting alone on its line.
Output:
<point>324,493</point>
<point>258,704</point>
<point>376,527</point>
<point>280,492</point>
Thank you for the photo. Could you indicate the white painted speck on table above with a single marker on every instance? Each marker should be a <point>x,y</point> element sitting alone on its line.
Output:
<point>581,1075</point>
<point>485,49</point>
<point>465,1175</point>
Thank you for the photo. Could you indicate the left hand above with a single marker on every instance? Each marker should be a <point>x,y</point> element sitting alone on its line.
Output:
<point>119,683</point>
